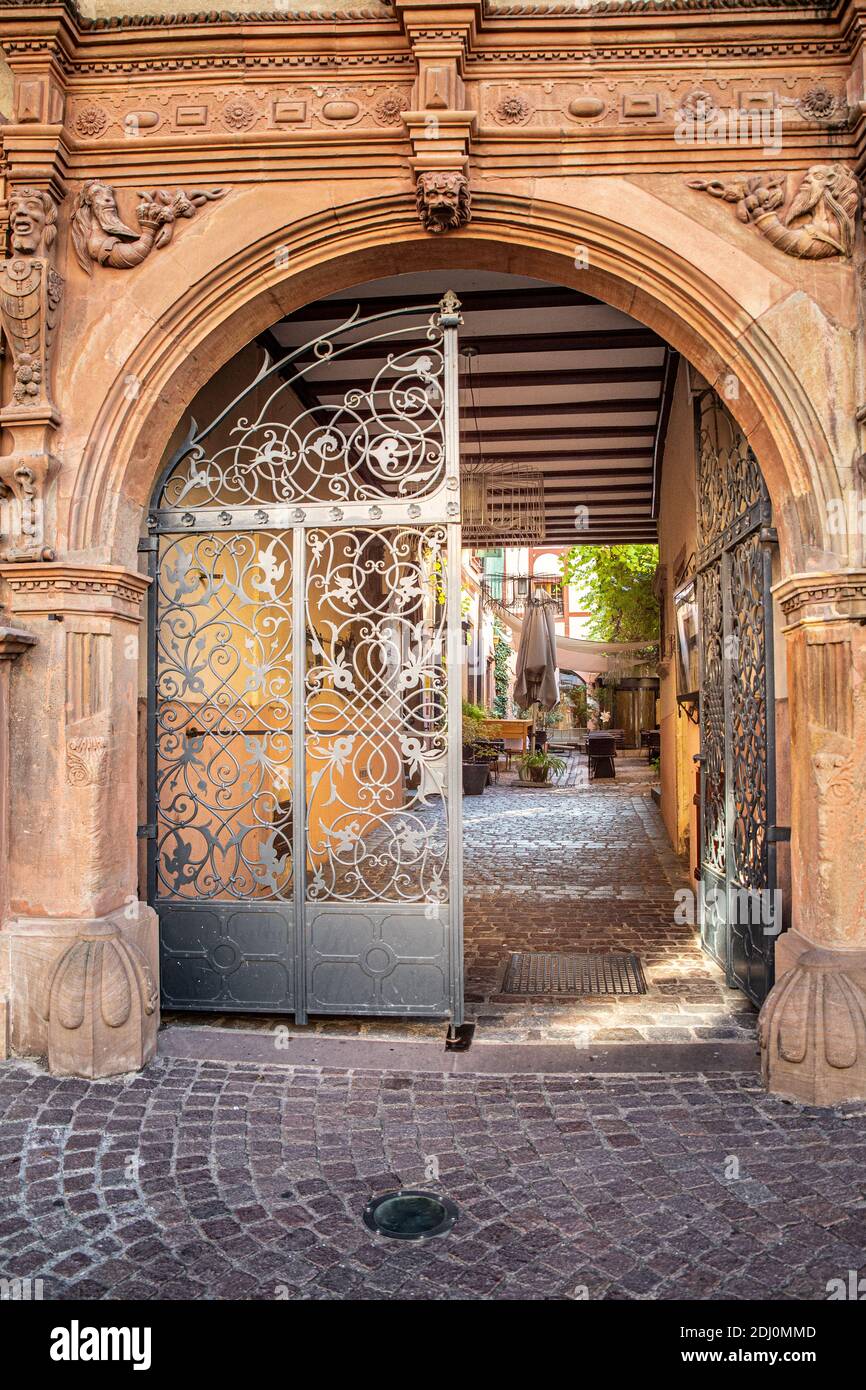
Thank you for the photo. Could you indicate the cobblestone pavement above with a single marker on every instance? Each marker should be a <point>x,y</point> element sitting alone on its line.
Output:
<point>206,1180</point>
<point>586,867</point>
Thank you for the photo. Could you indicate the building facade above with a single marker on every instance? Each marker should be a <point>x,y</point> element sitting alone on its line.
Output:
<point>177,183</point>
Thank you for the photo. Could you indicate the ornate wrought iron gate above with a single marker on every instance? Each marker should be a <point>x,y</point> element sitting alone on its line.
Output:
<point>304,795</point>
<point>739,917</point>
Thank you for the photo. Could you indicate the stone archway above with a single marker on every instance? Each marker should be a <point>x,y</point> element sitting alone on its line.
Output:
<point>627,267</point>
<point>233,281</point>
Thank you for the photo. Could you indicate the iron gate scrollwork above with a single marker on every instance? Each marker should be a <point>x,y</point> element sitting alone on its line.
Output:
<point>739,913</point>
<point>304,795</point>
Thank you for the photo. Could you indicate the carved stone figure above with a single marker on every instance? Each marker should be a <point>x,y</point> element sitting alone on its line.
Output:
<point>100,235</point>
<point>30,294</point>
<point>443,200</point>
<point>30,291</point>
<point>819,221</point>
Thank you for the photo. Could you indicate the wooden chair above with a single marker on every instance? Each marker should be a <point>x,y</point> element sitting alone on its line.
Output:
<point>601,755</point>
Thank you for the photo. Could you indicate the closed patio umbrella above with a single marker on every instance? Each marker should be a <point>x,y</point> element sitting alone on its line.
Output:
<point>537,680</point>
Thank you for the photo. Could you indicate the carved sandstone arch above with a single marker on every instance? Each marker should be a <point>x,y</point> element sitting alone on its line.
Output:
<point>241,294</point>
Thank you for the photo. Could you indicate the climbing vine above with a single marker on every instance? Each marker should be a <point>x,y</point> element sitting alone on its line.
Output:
<point>501,674</point>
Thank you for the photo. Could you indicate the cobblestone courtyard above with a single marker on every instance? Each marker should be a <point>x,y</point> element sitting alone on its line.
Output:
<point>216,1181</point>
<point>586,867</point>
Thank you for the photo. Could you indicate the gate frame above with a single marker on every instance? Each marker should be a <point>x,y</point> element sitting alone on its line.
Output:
<point>440,507</point>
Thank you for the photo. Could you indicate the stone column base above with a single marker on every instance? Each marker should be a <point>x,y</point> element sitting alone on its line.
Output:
<point>812,1027</point>
<point>81,992</point>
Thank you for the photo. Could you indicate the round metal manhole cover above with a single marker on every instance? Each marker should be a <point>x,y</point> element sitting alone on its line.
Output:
<point>410,1215</point>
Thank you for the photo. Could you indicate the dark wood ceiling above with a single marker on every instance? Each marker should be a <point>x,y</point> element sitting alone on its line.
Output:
<point>558,380</point>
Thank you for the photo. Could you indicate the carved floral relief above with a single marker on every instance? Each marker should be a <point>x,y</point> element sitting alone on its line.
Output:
<point>241,109</point>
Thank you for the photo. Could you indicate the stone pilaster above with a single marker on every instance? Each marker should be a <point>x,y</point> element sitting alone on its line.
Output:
<point>14,641</point>
<point>812,1027</point>
<point>81,948</point>
<point>440,125</point>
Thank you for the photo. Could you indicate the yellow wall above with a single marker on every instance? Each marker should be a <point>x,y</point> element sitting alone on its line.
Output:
<point>680,739</point>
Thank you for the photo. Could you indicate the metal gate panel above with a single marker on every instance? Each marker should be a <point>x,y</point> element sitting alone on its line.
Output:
<point>377,747</point>
<point>738,920</point>
<point>304,793</point>
<point>713,774</point>
<point>221,768</point>
<point>751,772</point>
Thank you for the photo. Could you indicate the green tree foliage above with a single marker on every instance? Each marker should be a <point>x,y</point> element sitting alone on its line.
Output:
<point>615,583</point>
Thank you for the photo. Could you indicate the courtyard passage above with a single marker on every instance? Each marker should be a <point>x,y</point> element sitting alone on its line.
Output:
<point>586,866</point>
<point>574,867</point>
<point>205,1180</point>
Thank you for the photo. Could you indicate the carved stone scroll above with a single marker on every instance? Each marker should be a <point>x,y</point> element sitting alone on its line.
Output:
<point>101,1007</point>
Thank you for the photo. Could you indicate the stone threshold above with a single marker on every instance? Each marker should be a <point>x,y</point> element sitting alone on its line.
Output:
<point>214,1044</point>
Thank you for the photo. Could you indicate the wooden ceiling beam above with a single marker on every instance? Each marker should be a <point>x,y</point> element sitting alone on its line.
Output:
<point>572,432</point>
<point>483,381</point>
<point>630,405</point>
<point>472,301</point>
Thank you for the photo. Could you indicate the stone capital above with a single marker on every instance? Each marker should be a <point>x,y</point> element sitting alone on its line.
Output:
<point>440,22</point>
<point>104,591</point>
<point>824,596</point>
<point>440,139</point>
<point>14,641</point>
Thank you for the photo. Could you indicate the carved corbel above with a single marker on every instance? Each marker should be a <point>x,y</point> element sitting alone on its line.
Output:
<point>440,125</point>
<point>30,295</point>
<point>817,222</point>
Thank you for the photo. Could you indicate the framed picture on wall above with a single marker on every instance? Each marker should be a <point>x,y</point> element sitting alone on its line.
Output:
<point>687,639</point>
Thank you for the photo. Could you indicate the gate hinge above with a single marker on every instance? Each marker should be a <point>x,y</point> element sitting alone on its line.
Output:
<point>147,832</point>
<point>778,834</point>
<point>147,543</point>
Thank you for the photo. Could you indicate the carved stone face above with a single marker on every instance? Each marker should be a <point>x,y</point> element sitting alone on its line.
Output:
<point>28,217</point>
<point>443,200</point>
<point>103,202</point>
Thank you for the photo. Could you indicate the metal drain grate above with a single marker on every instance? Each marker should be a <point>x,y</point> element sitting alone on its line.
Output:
<point>547,972</point>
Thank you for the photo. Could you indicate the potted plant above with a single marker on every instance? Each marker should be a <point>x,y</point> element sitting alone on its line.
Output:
<point>540,766</point>
<point>476,767</point>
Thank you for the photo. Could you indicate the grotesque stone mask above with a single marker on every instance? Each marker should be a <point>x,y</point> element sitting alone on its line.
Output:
<point>32,221</point>
<point>443,200</point>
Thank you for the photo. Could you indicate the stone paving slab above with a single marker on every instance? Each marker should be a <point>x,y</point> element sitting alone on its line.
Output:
<point>209,1180</point>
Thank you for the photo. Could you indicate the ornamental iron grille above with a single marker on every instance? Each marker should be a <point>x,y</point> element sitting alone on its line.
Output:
<point>739,913</point>
<point>304,795</point>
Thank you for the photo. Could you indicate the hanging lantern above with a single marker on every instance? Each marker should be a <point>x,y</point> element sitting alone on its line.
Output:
<point>501,503</point>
